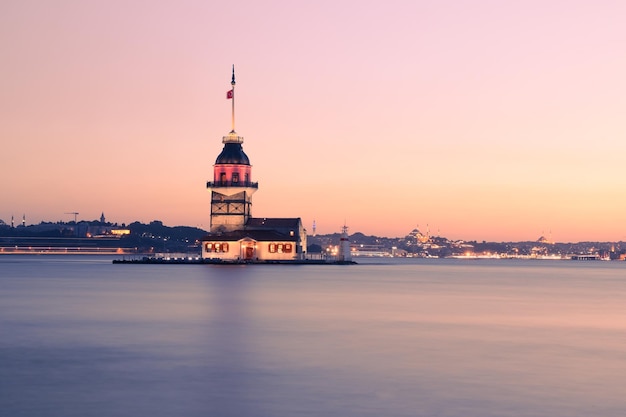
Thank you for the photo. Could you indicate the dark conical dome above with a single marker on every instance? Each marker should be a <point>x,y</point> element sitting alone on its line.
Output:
<point>232,154</point>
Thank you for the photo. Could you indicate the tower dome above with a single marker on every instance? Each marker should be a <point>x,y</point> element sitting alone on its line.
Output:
<point>232,154</point>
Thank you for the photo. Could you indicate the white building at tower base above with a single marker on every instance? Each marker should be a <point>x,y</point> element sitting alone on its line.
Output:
<point>261,240</point>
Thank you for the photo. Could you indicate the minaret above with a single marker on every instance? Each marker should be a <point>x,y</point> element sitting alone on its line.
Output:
<point>232,186</point>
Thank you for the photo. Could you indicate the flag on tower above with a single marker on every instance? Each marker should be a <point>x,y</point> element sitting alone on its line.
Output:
<point>230,94</point>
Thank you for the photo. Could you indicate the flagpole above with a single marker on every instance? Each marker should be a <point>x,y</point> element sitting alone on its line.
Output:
<point>233,103</point>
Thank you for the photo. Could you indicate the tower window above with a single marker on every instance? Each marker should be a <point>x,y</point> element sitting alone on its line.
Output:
<point>222,178</point>
<point>235,177</point>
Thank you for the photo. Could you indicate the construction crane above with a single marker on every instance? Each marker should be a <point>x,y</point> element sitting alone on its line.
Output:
<point>75,215</point>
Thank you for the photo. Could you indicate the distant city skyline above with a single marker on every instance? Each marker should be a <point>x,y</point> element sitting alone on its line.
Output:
<point>426,232</point>
<point>485,120</point>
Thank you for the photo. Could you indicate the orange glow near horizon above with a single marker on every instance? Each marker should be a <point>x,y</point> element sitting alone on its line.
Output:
<point>454,116</point>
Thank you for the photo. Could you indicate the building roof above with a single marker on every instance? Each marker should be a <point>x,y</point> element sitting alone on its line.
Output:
<point>274,223</point>
<point>232,154</point>
<point>258,235</point>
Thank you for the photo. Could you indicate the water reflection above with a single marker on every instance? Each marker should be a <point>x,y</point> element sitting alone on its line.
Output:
<point>231,374</point>
<point>407,339</point>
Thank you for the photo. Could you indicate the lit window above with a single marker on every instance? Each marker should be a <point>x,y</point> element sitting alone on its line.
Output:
<point>216,247</point>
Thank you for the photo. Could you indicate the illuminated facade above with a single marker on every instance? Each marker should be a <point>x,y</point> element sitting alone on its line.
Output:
<point>234,234</point>
<point>261,239</point>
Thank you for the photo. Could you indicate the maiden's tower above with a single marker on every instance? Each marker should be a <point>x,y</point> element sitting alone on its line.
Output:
<point>234,234</point>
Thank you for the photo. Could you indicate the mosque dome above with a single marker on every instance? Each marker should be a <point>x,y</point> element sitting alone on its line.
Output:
<point>232,154</point>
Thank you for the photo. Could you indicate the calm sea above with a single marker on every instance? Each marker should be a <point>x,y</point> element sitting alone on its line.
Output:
<point>80,336</point>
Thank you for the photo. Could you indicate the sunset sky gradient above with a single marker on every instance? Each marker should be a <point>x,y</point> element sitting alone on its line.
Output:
<point>481,120</point>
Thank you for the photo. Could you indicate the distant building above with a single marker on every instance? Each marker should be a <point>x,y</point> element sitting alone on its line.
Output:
<point>102,230</point>
<point>543,239</point>
<point>234,234</point>
<point>418,236</point>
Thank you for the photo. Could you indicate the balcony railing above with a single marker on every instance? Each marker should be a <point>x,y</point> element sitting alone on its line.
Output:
<point>232,138</point>
<point>243,184</point>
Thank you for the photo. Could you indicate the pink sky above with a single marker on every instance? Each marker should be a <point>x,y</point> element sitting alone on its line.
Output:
<point>485,120</point>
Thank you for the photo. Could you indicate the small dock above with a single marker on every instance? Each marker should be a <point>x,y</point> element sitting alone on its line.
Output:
<point>146,260</point>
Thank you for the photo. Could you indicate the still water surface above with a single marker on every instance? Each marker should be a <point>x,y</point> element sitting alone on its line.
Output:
<point>80,336</point>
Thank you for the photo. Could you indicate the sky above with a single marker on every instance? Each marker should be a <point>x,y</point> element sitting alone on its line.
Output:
<point>474,120</point>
